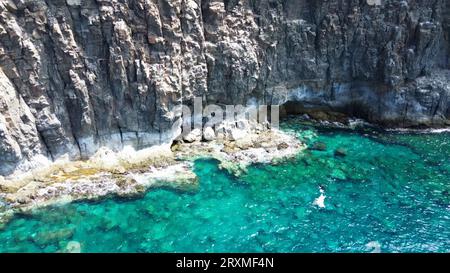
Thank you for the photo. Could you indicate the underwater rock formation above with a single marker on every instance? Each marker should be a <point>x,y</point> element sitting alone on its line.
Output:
<point>77,75</point>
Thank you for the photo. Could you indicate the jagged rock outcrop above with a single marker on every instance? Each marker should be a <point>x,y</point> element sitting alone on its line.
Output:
<point>76,75</point>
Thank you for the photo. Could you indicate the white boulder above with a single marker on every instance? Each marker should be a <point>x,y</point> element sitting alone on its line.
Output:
<point>209,134</point>
<point>194,135</point>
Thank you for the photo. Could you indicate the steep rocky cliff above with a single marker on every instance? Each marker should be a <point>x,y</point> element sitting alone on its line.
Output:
<point>79,74</point>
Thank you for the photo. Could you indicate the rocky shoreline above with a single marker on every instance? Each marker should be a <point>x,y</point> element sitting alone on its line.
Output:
<point>326,117</point>
<point>131,173</point>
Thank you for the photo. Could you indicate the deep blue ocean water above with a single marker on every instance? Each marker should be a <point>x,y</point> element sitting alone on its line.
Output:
<point>391,190</point>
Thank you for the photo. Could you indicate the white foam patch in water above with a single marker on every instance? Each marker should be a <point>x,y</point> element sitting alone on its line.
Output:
<point>421,131</point>
<point>354,123</point>
<point>167,174</point>
<point>373,247</point>
<point>320,201</point>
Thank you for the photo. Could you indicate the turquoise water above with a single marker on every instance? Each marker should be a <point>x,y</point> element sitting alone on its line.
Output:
<point>392,189</point>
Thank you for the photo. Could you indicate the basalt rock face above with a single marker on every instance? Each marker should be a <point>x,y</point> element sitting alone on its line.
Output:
<point>76,75</point>
<point>386,63</point>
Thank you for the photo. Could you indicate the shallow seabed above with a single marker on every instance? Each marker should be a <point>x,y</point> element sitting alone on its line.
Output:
<point>391,190</point>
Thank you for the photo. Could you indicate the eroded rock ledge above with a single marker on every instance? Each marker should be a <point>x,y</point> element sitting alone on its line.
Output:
<point>131,173</point>
<point>77,75</point>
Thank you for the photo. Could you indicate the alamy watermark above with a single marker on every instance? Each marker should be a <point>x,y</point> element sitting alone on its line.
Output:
<point>214,116</point>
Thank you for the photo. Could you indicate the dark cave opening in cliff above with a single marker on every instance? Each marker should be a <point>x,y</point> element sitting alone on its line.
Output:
<point>325,112</point>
